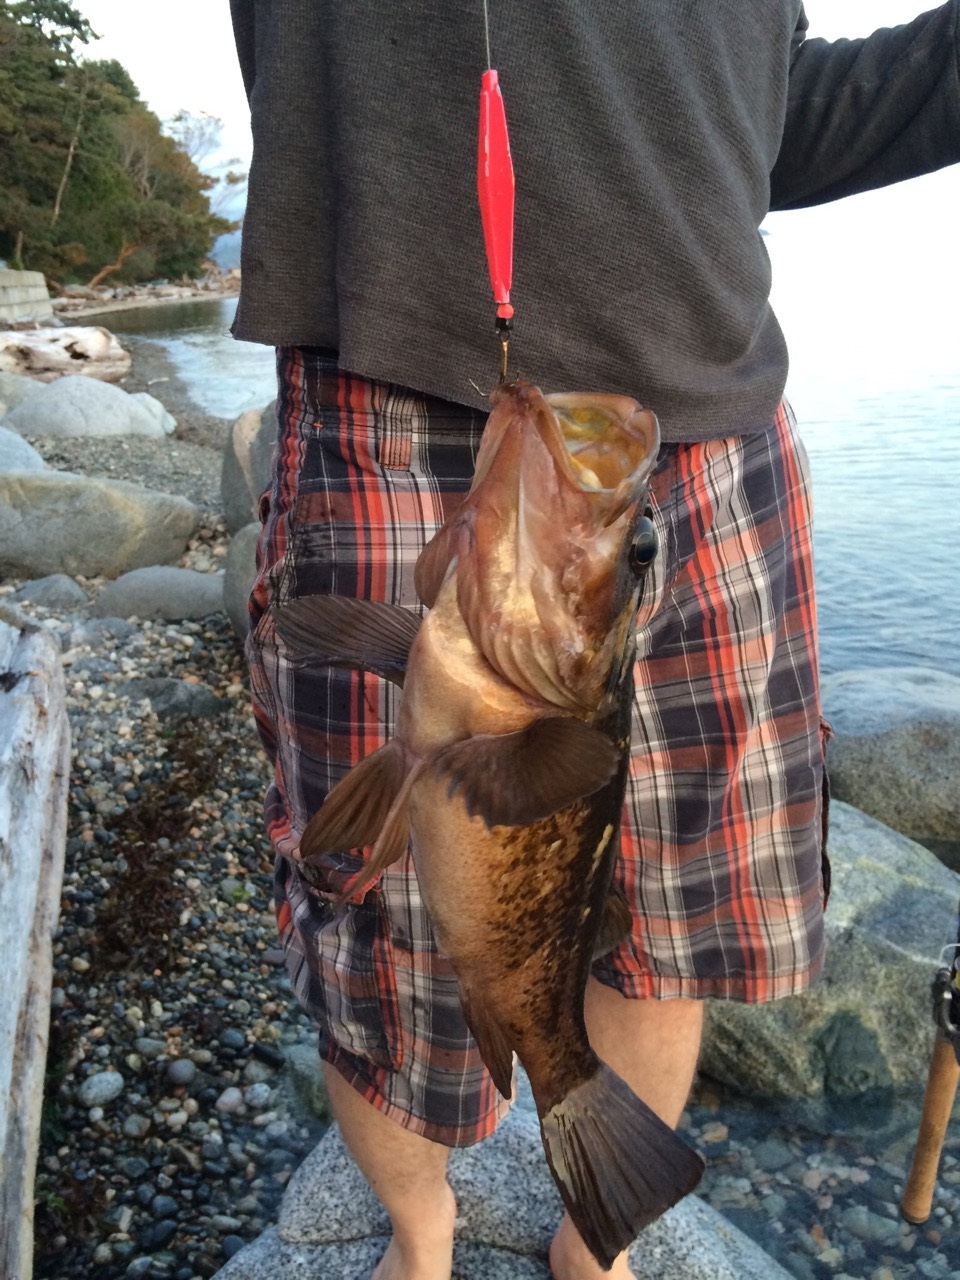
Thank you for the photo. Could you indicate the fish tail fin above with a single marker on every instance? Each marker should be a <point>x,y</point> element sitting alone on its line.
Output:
<point>616,1164</point>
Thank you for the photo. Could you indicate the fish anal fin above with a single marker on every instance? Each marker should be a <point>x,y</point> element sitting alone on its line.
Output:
<point>617,1166</point>
<point>356,809</point>
<point>492,1039</point>
<point>367,635</point>
<point>616,923</point>
<point>511,779</point>
<point>391,845</point>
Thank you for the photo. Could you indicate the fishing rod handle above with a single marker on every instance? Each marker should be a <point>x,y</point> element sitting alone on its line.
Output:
<point>942,1080</point>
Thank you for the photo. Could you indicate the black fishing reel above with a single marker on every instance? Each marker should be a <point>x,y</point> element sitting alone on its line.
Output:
<point>946,993</point>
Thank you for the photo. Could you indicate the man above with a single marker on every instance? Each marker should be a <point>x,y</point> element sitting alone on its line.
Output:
<point>649,142</point>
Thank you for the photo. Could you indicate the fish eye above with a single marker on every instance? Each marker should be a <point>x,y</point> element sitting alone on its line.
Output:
<point>645,545</point>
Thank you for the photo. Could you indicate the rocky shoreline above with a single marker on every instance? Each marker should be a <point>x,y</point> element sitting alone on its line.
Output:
<point>182,1080</point>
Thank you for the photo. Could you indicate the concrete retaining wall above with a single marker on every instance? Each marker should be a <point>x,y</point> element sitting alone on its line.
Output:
<point>23,296</point>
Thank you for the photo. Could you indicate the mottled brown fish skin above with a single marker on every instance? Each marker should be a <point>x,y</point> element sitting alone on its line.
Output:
<point>518,910</point>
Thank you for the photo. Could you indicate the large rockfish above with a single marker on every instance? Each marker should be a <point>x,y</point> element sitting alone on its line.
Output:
<point>508,767</point>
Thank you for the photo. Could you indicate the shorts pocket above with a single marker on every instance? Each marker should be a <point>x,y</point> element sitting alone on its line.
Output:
<point>341,965</point>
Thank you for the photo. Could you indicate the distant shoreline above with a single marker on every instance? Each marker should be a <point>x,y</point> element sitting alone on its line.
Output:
<point>134,304</point>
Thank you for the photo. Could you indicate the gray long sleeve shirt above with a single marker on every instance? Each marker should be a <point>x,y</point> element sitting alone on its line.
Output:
<point>649,141</point>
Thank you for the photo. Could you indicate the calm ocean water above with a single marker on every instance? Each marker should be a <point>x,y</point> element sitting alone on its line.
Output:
<point>884,443</point>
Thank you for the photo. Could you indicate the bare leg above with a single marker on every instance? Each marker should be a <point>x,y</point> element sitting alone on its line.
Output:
<point>408,1173</point>
<point>653,1045</point>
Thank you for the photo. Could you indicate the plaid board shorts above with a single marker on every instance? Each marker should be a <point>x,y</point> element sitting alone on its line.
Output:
<point>720,844</point>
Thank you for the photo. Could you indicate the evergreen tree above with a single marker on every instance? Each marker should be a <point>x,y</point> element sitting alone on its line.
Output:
<point>89,183</point>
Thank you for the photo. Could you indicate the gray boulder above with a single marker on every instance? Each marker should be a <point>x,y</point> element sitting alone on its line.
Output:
<point>239,572</point>
<point>57,522</point>
<point>165,420</point>
<point>15,387</point>
<point>170,697</point>
<point>56,591</point>
<point>331,1224</point>
<point>866,1025</point>
<point>161,591</point>
<point>16,454</point>
<point>896,753</point>
<point>248,465</point>
<point>78,406</point>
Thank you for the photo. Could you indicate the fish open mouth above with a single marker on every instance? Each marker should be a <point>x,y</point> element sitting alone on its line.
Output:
<point>609,446</point>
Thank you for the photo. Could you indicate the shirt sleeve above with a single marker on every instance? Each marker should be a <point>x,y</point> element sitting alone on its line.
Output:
<point>244,22</point>
<point>866,113</point>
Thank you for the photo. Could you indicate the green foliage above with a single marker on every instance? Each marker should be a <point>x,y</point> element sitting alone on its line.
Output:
<point>90,186</point>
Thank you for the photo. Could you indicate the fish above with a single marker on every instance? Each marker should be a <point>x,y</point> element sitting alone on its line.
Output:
<point>506,773</point>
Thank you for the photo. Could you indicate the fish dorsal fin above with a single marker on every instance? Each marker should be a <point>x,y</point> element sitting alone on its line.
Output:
<point>511,779</point>
<point>341,631</point>
<point>616,923</point>
<point>491,1037</point>
<point>354,813</point>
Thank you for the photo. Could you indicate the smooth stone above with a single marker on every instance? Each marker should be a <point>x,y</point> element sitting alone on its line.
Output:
<point>229,1101</point>
<point>331,1224</point>
<point>58,522</point>
<point>240,571</point>
<point>162,592</point>
<point>248,465</point>
<point>101,1088</point>
<point>14,388</point>
<point>158,1235</point>
<point>170,697</point>
<point>17,454</point>
<point>162,1206</point>
<point>82,406</point>
<point>94,631</point>
<point>233,1038</point>
<point>257,1096</point>
<point>895,753</point>
<point>864,1027</point>
<point>55,591</point>
<point>181,1071</point>
<point>305,1075</point>
<point>160,415</point>
<point>136,1126</point>
<point>148,1047</point>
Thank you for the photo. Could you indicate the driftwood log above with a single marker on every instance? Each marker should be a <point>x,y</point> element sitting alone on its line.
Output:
<point>34,770</point>
<point>47,354</point>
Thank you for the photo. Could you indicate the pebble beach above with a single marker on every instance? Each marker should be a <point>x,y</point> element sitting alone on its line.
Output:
<point>182,1082</point>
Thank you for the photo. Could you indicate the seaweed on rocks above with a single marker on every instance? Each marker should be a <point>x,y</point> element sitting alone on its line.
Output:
<point>140,912</point>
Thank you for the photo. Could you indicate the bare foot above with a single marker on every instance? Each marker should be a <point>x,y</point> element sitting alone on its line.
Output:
<point>570,1259</point>
<point>423,1254</point>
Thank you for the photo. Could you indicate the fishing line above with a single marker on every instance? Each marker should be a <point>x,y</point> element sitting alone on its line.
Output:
<point>486,29</point>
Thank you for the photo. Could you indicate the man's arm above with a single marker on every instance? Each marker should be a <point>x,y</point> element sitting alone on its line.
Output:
<point>866,113</point>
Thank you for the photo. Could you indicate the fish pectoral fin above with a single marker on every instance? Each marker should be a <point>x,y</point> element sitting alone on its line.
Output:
<point>616,923</point>
<point>492,1039</point>
<point>511,779</point>
<point>339,631</point>
<point>357,808</point>
<point>616,1164</point>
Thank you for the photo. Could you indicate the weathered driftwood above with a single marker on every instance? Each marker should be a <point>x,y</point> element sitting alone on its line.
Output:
<point>46,354</point>
<point>34,769</point>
